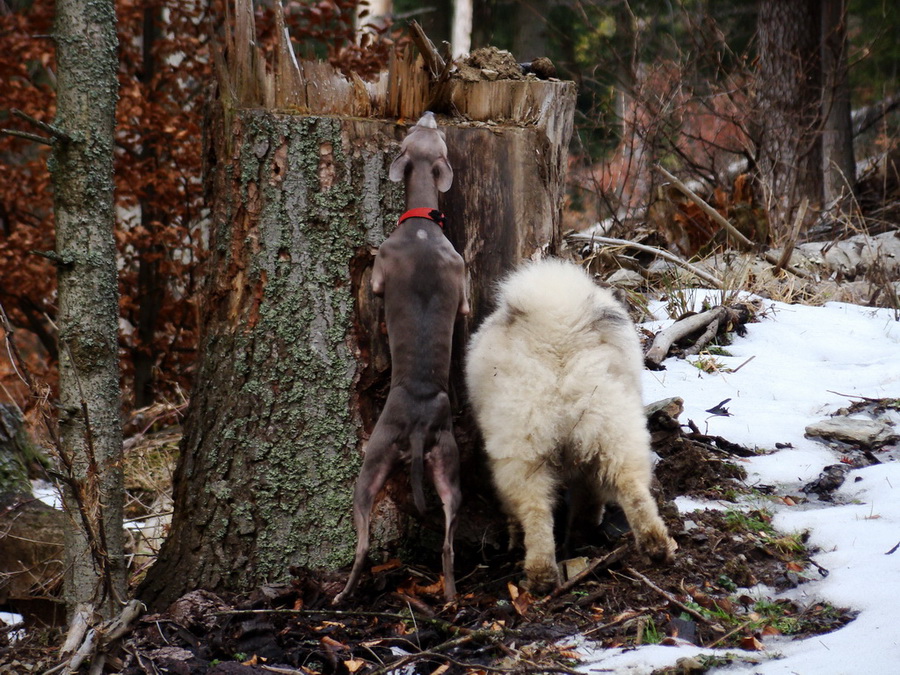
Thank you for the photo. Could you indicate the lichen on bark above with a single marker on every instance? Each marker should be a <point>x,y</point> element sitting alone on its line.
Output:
<point>273,434</point>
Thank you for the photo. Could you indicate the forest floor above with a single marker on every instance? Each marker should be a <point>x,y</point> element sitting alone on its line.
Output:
<point>398,622</point>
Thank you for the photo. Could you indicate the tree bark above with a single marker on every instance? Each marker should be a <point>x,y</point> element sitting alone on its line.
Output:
<point>294,365</point>
<point>789,91</point>
<point>461,30</point>
<point>89,425</point>
<point>269,456</point>
<point>839,165</point>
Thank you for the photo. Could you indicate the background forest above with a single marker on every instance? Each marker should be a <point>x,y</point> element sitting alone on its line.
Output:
<point>657,81</point>
<point>779,119</point>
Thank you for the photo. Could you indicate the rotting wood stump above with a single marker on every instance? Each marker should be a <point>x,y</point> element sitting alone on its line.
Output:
<point>294,363</point>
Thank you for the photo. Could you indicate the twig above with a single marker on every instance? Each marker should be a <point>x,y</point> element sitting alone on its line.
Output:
<point>312,612</point>
<point>744,364</point>
<point>667,255</point>
<point>54,131</point>
<point>862,398</point>
<point>668,596</point>
<point>728,635</point>
<point>27,136</point>
<point>731,229</point>
<point>597,563</point>
<point>624,616</point>
<point>792,240</point>
<point>434,653</point>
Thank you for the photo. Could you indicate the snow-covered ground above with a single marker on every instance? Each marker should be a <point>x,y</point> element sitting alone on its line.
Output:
<point>808,362</point>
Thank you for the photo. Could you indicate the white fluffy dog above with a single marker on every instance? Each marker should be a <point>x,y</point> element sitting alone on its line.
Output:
<point>554,379</point>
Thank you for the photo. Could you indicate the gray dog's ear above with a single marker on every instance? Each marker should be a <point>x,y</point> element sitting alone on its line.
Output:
<point>398,168</point>
<point>444,174</point>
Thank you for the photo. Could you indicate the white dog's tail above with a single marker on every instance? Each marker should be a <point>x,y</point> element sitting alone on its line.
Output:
<point>557,297</point>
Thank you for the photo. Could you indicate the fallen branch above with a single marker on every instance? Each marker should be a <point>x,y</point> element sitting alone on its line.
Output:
<point>671,598</point>
<point>665,338</point>
<point>598,563</point>
<point>736,234</point>
<point>662,253</point>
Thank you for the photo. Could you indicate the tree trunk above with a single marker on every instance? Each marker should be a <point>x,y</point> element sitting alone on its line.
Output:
<point>530,29</point>
<point>839,165</point>
<point>461,30</point>
<point>789,91</point>
<point>294,364</point>
<point>269,456</point>
<point>13,444</point>
<point>89,425</point>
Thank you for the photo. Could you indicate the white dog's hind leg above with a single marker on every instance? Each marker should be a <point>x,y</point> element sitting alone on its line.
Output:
<point>528,490</point>
<point>624,476</point>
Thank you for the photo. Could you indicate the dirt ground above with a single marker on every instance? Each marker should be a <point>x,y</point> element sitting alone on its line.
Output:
<point>397,621</point>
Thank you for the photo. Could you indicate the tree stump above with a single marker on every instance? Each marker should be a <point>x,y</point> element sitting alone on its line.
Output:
<point>294,363</point>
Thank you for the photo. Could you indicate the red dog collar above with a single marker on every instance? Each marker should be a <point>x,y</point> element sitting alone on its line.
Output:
<point>431,214</point>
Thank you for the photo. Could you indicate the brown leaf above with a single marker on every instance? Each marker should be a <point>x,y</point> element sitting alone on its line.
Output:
<point>391,564</point>
<point>521,600</point>
<point>354,664</point>
<point>331,643</point>
<point>750,643</point>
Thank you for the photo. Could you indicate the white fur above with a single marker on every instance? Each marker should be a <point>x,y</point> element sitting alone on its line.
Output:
<point>554,380</point>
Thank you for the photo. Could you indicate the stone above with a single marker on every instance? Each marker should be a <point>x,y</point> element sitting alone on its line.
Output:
<point>867,433</point>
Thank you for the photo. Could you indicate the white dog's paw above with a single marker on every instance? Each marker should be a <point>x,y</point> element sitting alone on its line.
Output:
<point>541,577</point>
<point>657,545</point>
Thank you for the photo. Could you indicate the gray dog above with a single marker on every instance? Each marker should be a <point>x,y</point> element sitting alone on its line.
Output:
<point>422,280</point>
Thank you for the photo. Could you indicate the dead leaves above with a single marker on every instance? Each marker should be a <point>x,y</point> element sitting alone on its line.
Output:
<point>522,600</point>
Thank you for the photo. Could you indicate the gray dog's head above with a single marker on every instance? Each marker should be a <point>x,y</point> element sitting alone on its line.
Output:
<point>424,149</point>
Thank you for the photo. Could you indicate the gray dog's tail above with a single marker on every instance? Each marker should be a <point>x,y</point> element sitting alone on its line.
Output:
<point>417,469</point>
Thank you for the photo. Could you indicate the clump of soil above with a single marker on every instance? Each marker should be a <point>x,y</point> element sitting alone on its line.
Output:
<point>490,63</point>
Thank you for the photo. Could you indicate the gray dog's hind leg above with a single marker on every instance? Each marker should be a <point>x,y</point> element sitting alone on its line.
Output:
<point>381,455</point>
<point>443,463</point>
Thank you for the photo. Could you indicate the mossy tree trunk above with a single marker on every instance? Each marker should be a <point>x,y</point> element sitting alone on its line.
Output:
<point>294,365</point>
<point>272,435</point>
<point>90,432</point>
